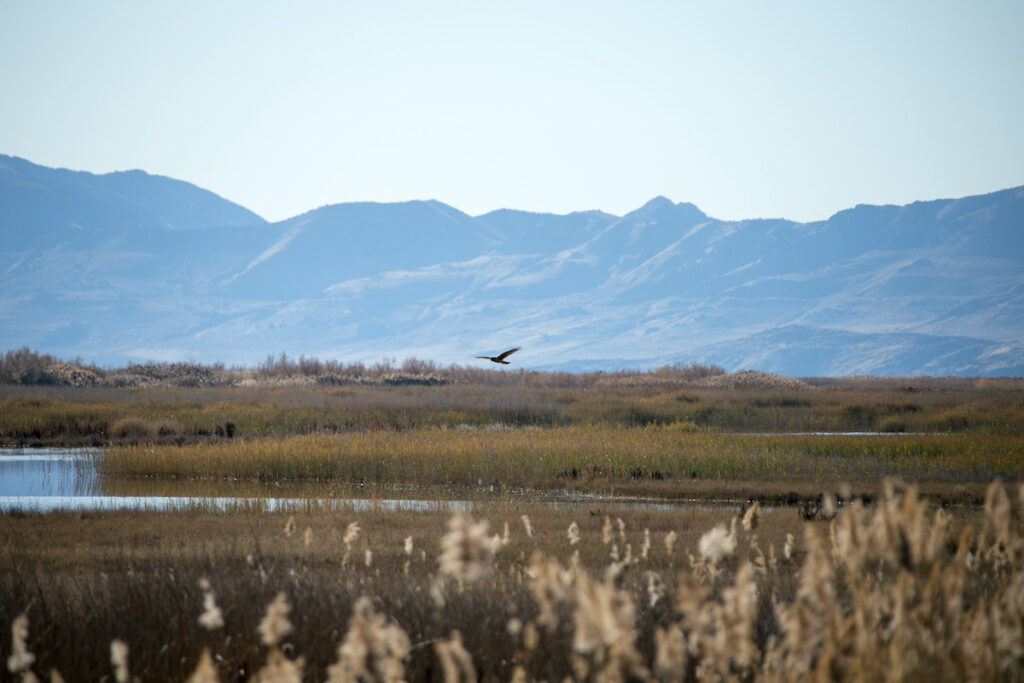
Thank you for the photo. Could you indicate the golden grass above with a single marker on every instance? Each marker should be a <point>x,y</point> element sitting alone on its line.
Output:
<point>73,416</point>
<point>657,460</point>
<point>897,590</point>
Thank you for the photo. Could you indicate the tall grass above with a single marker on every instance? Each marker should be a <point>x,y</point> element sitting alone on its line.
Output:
<point>73,416</point>
<point>891,591</point>
<point>596,456</point>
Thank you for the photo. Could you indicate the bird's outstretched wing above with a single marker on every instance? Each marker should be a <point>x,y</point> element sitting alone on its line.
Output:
<point>506,354</point>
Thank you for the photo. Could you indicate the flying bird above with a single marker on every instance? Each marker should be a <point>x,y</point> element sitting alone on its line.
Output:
<point>500,358</point>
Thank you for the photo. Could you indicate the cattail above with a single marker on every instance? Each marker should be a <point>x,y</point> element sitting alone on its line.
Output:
<point>646,546</point>
<point>368,557</point>
<point>467,553</point>
<point>787,548</point>
<point>622,529</point>
<point>307,537</point>
<point>507,536</point>
<point>408,545</point>
<point>289,527</point>
<point>455,660</point>
<point>526,525</point>
<point>606,531</point>
<point>670,541</point>
<point>275,624</point>
<point>21,659</point>
<point>205,671</point>
<point>716,544</point>
<point>212,617</point>
<point>574,533</point>
<point>119,660</point>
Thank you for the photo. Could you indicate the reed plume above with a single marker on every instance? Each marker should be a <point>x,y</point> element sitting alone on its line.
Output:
<point>119,660</point>
<point>456,662</point>
<point>275,625</point>
<point>212,618</point>
<point>373,649</point>
<point>21,659</point>
<point>467,552</point>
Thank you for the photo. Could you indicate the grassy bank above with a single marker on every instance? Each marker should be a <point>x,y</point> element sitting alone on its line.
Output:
<point>98,415</point>
<point>655,460</point>
<point>893,590</point>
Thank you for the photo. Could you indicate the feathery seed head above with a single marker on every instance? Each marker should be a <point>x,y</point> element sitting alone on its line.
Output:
<point>119,660</point>
<point>526,525</point>
<point>275,624</point>
<point>467,553</point>
<point>670,541</point>
<point>21,659</point>
<point>574,533</point>
<point>351,533</point>
<point>716,544</point>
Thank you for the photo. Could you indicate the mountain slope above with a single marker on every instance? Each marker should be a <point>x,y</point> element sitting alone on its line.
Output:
<point>133,267</point>
<point>43,206</point>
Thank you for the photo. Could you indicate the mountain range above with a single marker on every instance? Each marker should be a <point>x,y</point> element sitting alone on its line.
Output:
<point>130,266</point>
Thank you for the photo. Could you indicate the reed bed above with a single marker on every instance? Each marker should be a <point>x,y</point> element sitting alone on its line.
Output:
<point>895,590</point>
<point>596,457</point>
<point>101,415</point>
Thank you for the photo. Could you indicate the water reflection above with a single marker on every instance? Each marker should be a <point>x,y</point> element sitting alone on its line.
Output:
<point>64,478</point>
<point>48,472</point>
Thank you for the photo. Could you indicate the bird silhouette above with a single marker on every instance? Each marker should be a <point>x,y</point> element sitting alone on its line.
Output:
<point>500,358</point>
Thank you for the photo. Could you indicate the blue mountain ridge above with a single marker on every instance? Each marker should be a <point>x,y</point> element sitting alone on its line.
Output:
<point>130,266</point>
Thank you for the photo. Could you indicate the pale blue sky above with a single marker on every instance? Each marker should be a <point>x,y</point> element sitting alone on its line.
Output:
<point>746,108</point>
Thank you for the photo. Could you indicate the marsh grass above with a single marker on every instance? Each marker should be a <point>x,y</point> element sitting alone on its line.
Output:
<point>91,415</point>
<point>894,590</point>
<point>663,461</point>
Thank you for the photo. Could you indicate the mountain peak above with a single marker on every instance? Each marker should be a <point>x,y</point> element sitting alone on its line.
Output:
<point>684,212</point>
<point>659,202</point>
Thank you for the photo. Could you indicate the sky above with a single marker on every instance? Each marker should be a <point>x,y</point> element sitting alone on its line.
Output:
<point>758,108</point>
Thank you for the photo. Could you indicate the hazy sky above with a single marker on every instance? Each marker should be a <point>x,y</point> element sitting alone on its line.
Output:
<point>747,109</point>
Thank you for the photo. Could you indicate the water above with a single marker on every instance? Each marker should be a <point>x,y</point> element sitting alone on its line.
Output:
<point>66,479</point>
<point>48,472</point>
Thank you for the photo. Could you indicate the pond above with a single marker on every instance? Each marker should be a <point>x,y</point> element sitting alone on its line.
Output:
<point>66,478</point>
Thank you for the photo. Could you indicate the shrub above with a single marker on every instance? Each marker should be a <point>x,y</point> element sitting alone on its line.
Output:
<point>894,425</point>
<point>133,428</point>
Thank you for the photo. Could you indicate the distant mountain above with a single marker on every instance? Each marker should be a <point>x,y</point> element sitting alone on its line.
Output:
<point>129,266</point>
<point>43,206</point>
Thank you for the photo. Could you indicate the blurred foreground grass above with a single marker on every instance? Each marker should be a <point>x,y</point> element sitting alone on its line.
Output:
<point>894,590</point>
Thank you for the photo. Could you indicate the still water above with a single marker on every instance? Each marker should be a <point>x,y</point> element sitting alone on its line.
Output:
<point>67,479</point>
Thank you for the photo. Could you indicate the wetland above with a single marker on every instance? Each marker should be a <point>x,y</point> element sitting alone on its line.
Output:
<point>515,526</point>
